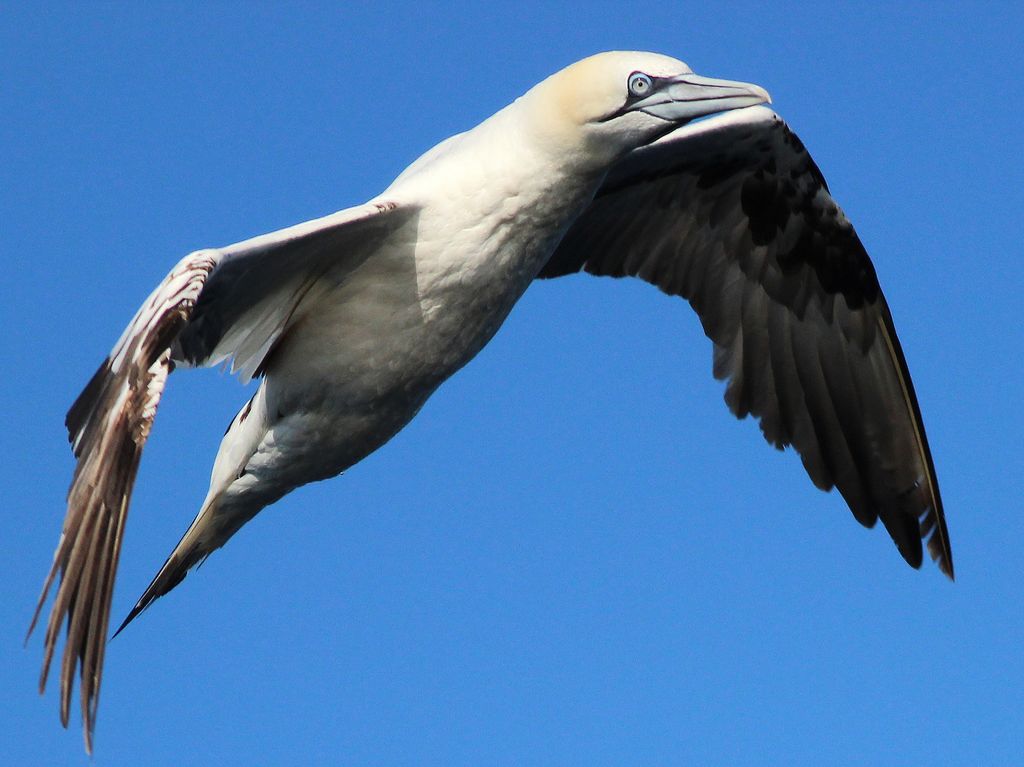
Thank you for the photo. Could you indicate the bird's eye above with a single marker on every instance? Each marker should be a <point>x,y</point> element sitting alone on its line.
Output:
<point>639,84</point>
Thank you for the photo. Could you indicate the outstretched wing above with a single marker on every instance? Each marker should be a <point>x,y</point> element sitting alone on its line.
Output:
<point>733,215</point>
<point>230,303</point>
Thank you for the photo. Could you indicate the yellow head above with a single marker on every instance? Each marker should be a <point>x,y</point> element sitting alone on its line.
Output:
<point>613,102</point>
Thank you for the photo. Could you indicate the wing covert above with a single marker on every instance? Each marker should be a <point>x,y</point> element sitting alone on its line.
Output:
<point>256,287</point>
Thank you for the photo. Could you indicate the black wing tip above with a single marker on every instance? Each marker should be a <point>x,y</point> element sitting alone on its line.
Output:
<point>946,567</point>
<point>940,551</point>
<point>82,409</point>
<point>943,559</point>
<point>939,547</point>
<point>933,522</point>
<point>912,538</point>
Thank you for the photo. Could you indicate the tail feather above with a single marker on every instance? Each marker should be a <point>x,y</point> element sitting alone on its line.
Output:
<point>222,514</point>
<point>184,557</point>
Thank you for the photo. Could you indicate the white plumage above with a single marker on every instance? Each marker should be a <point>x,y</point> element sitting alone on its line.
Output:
<point>353,320</point>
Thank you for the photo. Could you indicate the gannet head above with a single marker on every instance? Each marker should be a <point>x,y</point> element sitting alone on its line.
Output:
<point>613,102</point>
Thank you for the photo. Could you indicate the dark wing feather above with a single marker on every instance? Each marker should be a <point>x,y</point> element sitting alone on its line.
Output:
<point>231,303</point>
<point>108,426</point>
<point>733,215</point>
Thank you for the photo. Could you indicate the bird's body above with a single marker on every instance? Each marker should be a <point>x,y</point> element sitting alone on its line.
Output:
<point>353,320</point>
<point>364,353</point>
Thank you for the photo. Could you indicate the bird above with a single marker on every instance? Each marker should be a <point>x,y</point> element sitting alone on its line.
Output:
<point>621,164</point>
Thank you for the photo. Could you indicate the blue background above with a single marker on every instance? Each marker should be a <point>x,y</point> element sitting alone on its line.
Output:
<point>574,555</point>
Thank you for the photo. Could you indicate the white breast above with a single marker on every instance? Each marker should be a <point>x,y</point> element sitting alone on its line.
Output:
<point>493,210</point>
<point>441,286</point>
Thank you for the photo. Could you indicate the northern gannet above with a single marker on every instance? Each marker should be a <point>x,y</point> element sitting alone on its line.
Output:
<point>351,321</point>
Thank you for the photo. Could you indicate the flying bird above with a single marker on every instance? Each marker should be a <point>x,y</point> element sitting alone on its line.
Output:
<point>352,321</point>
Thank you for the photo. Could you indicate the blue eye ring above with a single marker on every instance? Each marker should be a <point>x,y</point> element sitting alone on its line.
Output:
<point>639,84</point>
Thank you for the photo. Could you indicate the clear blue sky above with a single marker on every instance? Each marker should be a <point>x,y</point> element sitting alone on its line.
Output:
<point>574,555</point>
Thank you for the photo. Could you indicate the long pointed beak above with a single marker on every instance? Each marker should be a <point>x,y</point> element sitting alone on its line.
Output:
<point>690,96</point>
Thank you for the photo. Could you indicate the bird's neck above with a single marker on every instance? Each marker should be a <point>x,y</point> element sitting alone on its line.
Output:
<point>512,166</point>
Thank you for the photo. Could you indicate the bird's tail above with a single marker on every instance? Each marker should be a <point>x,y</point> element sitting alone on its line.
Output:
<point>192,550</point>
<point>225,509</point>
